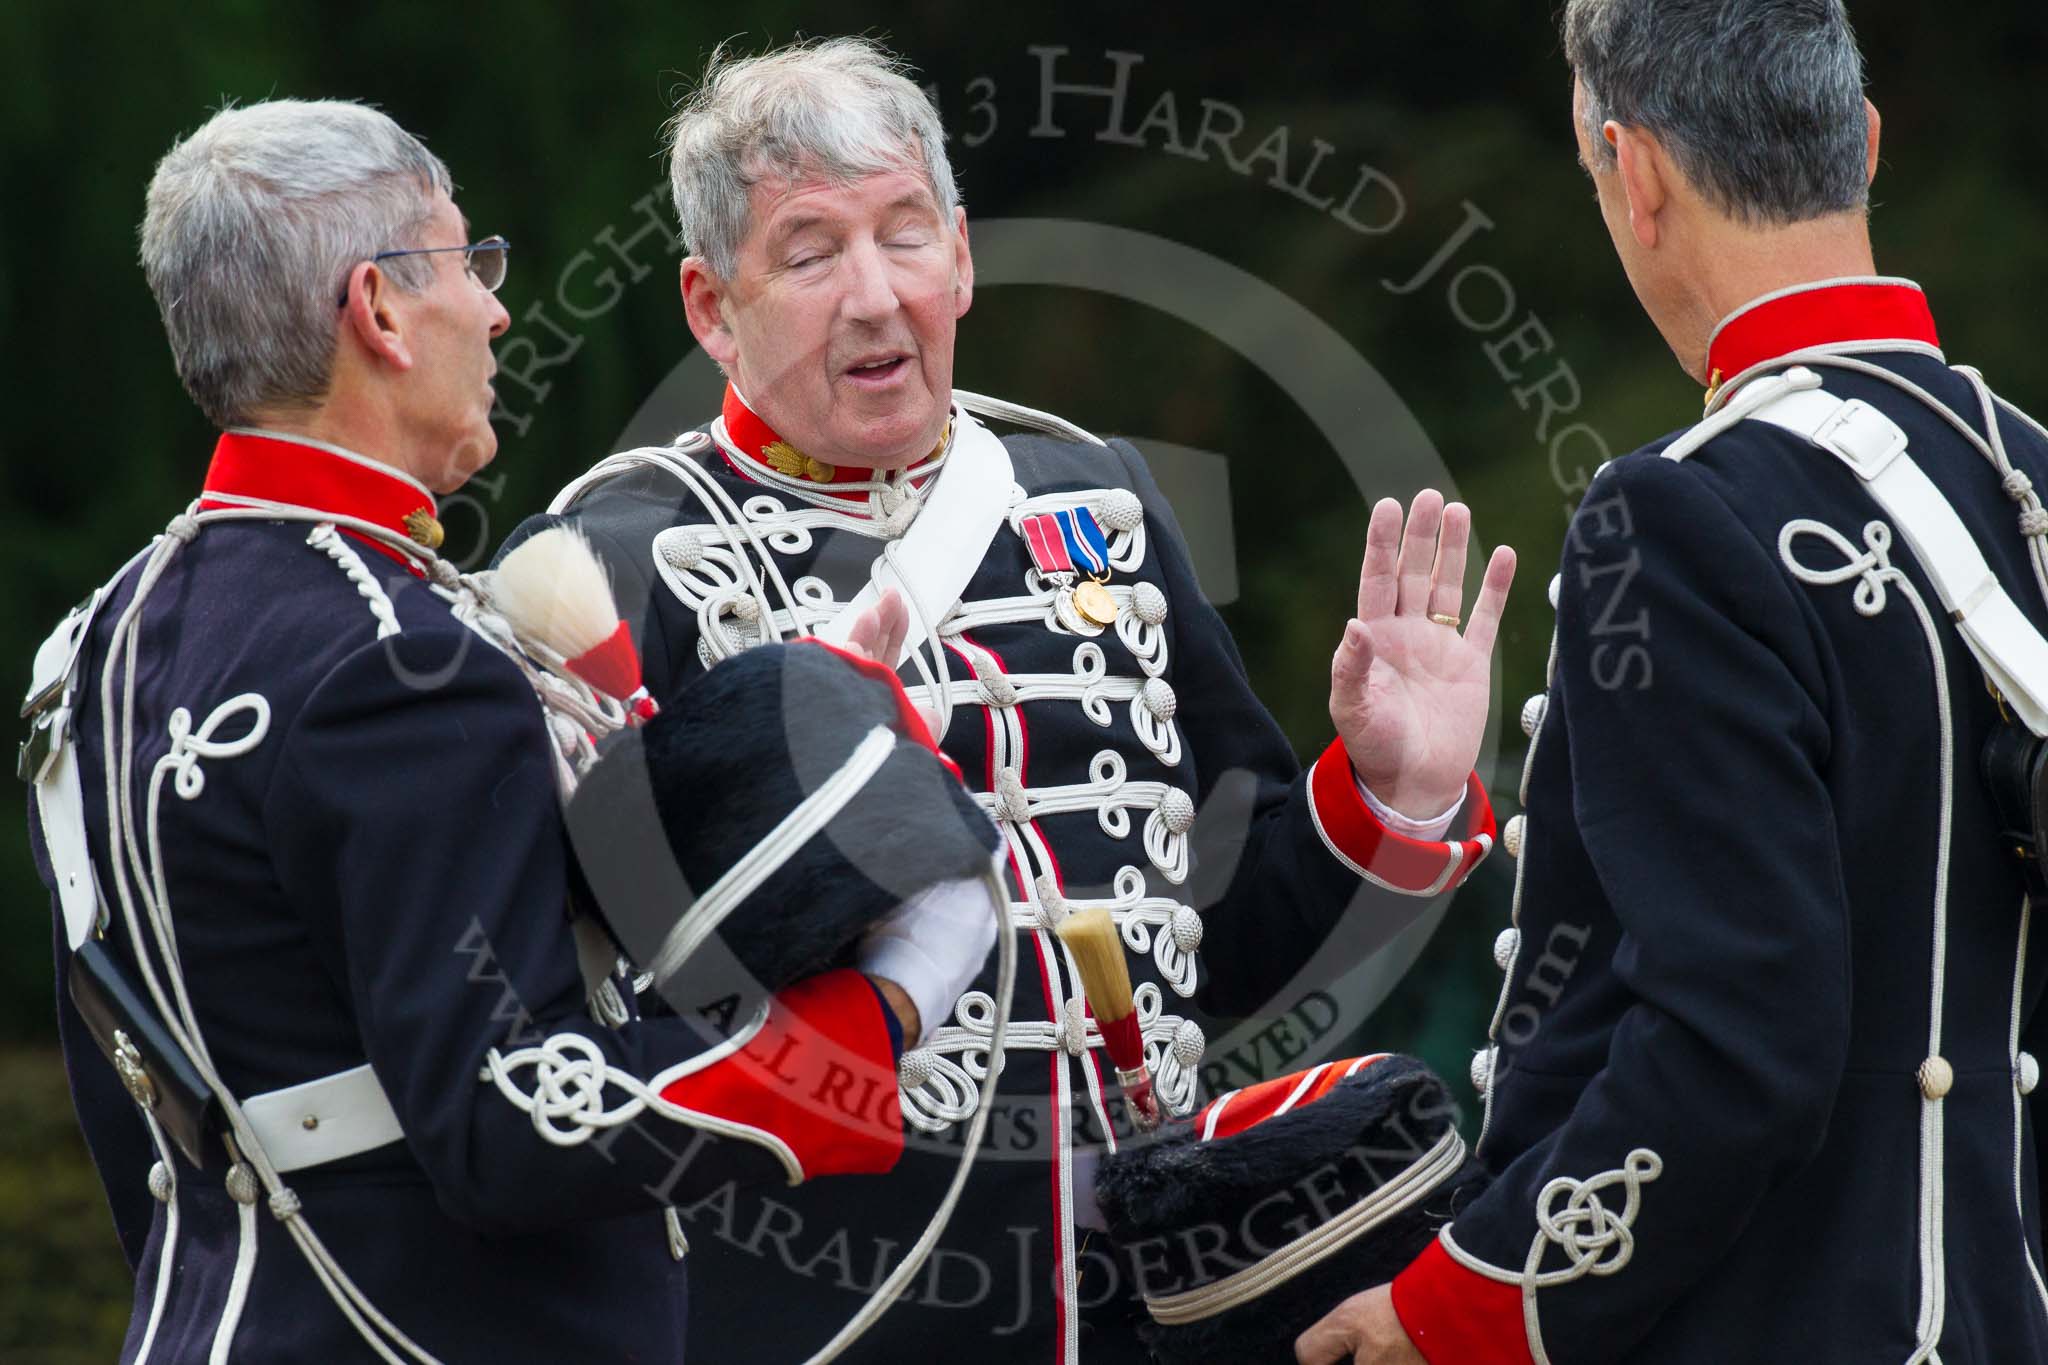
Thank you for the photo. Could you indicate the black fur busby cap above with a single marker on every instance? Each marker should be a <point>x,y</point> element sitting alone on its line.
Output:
<point>1244,1225</point>
<point>671,807</point>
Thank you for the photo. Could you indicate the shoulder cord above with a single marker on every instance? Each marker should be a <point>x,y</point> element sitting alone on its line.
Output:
<point>150,890</point>
<point>2033,518</point>
<point>1016,413</point>
<point>328,541</point>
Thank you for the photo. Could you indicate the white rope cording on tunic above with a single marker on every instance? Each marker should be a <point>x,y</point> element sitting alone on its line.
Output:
<point>1874,569</point>
<point>738,530</point>
<point>1595,1239</point>
<point>325,538</point>
<point>148,897</point>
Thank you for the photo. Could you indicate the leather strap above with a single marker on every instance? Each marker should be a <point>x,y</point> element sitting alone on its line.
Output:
<point>933,562</point>
<point>323,1120</point>
<point>2010,650</point>
<point>49,762</point>
<point>60,806</point>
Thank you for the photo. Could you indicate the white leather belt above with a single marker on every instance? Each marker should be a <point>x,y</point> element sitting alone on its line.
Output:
<point>325,1120</point>
<point>2010,650</point>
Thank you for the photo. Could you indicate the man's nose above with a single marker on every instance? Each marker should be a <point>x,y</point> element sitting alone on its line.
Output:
<point>500,319</point>
<point>870,295</point>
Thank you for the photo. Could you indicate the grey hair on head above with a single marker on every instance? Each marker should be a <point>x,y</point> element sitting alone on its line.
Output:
<point>841,109</point>
<point>1760,102</point>
<point>253,223</point>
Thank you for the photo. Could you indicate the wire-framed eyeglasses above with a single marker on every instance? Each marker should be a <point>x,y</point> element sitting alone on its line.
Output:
<point>485,261</point>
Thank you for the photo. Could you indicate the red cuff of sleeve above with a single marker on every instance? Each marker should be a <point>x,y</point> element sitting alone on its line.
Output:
<point>1357,838</point>
<point>1457,1316</point>
<point>817,1083</point>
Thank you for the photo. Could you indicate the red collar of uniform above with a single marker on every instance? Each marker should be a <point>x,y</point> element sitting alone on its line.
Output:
<point>760,447</point>
<point>255,467</point>
<point>1826,313</point>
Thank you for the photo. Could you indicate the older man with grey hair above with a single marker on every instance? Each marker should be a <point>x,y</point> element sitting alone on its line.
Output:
<point>1068,664</point>
<point>1758,1087</point>
<point>330,1117</point>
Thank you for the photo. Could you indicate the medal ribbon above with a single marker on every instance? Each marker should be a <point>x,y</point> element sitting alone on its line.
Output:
<point>1085,541</point>
<point>1048,546</point>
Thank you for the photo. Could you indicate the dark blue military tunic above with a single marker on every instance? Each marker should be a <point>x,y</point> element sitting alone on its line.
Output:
<point>380,876</point>
<point>1758,1083</point>
<point>1094,750</point>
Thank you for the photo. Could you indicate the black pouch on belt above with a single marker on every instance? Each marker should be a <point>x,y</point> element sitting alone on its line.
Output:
<point>2016,766</point>
<point>154,1068</point>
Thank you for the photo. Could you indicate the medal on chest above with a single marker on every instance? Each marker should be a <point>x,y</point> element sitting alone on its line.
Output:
<point>1070,549</point>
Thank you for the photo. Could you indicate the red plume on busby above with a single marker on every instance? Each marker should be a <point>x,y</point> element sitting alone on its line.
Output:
<point>1247,1223</point>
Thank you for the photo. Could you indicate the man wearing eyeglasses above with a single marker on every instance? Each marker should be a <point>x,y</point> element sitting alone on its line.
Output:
<point>447,405</point>
<point>328,869</point>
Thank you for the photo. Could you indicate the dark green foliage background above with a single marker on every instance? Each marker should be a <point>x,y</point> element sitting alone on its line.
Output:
<point>548,114</point>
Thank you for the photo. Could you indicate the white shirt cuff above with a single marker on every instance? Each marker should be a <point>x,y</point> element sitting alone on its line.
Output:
<point>1429,831</point>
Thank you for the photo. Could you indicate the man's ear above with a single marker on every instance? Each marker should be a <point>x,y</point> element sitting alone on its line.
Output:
<point>371,316</point>
<point>704,301</point>
<point>963,266</point>
<point>1876,127</point>
<point>1643,170</point>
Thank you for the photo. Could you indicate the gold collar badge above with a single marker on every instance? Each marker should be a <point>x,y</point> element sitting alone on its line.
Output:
<point>422,527</point>
<point>787,460</point>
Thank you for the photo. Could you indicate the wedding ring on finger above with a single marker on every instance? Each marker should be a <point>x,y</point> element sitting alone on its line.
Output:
<point>1445,619</point>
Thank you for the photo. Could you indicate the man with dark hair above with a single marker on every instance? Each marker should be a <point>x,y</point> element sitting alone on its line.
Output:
<point>1757,1087</point>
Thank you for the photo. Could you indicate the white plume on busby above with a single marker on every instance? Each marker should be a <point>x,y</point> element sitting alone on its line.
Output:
<point>554,590</point>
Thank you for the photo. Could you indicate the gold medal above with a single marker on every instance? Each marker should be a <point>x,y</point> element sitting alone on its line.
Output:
<point>1095,602</point>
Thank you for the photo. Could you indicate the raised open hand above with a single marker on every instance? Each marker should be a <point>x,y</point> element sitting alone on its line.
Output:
<point>1408,690</point>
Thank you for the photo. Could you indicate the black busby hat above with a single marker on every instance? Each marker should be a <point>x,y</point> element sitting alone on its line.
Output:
<point>792,790</point>
<point>1247,1223</point>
